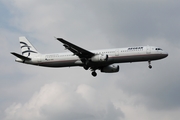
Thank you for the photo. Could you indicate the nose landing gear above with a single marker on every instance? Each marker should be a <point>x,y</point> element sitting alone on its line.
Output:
<point>150,66</point>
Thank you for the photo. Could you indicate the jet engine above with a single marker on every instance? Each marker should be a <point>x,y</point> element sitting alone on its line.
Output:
<point>110,69</point>
<point>99,58</point>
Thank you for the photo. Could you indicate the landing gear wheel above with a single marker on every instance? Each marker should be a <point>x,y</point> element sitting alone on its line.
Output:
<point>94,74</point>
<point>150,66</point>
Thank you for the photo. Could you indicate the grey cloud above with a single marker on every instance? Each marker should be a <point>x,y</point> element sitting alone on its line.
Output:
<point>108,24</point>
<point>138,20</point>
<point>60,101</point>
<point>117,20</point>
<point>159,87</point>
<point>133,23</point>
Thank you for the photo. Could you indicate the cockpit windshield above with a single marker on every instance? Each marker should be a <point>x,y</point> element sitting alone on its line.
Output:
<point>158,49</point>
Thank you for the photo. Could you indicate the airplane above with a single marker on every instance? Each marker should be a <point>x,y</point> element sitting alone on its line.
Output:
<point>103,60</point>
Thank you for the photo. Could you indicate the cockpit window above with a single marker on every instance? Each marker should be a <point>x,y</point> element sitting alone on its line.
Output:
<point>158,49</point>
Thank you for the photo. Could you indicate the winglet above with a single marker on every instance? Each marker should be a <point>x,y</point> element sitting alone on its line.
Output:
<point>55,37</point>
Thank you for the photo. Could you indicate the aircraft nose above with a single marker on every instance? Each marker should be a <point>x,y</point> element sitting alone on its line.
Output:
<point>165,54</point>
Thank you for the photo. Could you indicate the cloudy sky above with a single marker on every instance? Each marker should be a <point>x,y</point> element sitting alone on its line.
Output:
<point>30,92</point>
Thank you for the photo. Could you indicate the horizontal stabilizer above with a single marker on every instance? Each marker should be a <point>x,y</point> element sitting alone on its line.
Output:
<point>20,56</point>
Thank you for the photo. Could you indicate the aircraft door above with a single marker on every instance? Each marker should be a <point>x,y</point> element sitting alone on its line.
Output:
<point>39,58</point>
<point>117,52</point>
<point>148,50</point>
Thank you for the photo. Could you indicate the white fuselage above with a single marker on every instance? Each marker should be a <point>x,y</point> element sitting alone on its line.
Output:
<point>119,55</point>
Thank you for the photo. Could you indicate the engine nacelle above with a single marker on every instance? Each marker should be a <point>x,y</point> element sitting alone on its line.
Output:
<point>110,69</point>
<point>99,58</point>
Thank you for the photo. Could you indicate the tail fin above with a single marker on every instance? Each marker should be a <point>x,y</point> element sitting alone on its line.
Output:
<point>26,47</point>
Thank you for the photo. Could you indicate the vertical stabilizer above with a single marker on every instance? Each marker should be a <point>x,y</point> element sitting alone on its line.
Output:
<point>26,47</point>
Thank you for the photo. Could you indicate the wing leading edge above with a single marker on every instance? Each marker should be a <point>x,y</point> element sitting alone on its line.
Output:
<point>80,52</point>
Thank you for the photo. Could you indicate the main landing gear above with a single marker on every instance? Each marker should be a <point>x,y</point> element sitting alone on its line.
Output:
<point>94,74</point>
<point>86,67</point>
<point>150,66</point>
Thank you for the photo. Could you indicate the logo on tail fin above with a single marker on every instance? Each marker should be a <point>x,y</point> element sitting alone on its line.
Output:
<point>29,51</point>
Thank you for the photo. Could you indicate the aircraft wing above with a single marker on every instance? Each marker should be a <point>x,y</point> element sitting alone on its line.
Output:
<point>80,52</point>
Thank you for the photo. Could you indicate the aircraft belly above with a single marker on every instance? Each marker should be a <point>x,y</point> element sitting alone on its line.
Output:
<point>60,63</point>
